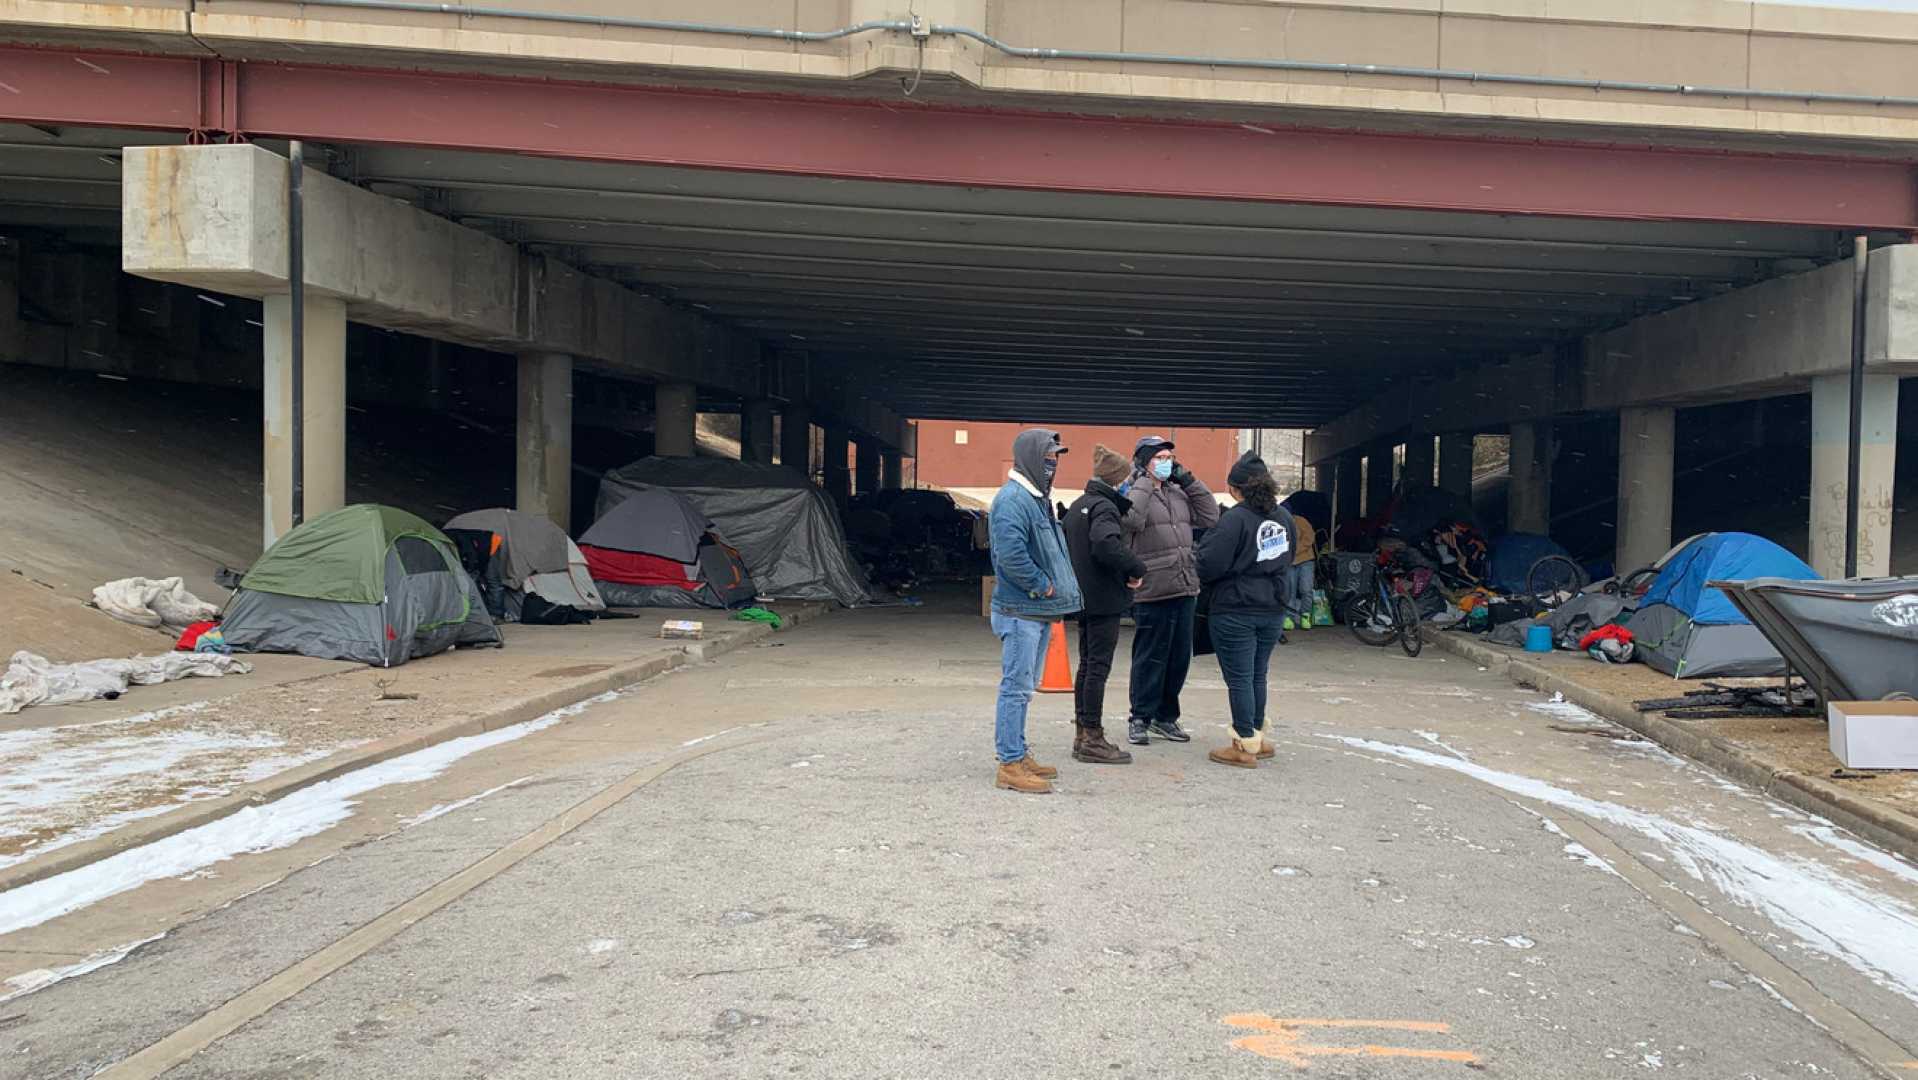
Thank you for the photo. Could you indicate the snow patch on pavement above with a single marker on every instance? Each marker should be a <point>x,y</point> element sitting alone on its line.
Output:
<point>276,825</point>
<point>28,982</point>
<point>1870,931</point>
<point>444,809</point>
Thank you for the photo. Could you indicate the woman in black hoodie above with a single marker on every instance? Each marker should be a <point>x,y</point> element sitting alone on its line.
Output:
<point>1245,559</point>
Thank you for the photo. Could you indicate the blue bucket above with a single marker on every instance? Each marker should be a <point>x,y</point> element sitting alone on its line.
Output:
<point>1538,639</point>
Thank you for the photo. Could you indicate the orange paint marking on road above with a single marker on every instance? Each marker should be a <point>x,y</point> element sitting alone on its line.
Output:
<point>1912,1065</point>
<point>1281,1041</point>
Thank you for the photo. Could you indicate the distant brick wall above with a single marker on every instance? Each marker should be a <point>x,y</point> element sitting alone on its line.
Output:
<point>967,455</point>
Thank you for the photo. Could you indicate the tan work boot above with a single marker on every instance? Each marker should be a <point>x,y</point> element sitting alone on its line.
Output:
<point>1235,753</point>
<point>1043,772</point>
<point>1014,777</point>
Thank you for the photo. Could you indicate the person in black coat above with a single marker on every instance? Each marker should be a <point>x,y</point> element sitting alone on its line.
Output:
<point>1108,573</point>
<point>1246,560</point>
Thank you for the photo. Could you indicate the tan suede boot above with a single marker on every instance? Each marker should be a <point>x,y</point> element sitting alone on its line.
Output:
<point>1265,744</point>
<point>1242,753</point>
<point>1043,772</point>
<point>1015,777</point>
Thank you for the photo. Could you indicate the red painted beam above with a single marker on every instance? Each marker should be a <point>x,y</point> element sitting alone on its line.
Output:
<point>906,142</point>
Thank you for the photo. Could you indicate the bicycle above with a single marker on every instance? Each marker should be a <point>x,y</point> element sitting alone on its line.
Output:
<point>1384,613</point>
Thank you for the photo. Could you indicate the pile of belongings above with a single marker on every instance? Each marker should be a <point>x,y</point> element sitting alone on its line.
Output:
<point>785,528</point>
<point>31,679</point>
<point>162,602</point>
<point>366,583</point>
<point>655,549</point>
<point>527,569</point>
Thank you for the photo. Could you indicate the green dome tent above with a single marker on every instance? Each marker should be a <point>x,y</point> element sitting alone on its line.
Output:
<point>365,582</point>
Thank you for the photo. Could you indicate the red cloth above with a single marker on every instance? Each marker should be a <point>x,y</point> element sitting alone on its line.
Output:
<point>1612,631</point>
<point>191,636</point>
<point>632,568</point>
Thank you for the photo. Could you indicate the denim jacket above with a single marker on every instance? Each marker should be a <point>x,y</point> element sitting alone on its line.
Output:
<point>1029,555</point>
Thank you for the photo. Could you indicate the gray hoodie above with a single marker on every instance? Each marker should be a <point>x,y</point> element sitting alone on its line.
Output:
<point>1029,451</point>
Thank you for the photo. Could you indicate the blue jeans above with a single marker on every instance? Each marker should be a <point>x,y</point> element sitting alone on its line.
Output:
<point>1299,593</point>
<point>1022,656</point>
<point>1244,642</point>
<point>1161,656</point>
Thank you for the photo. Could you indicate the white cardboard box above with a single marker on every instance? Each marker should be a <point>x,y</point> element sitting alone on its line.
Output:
<point>1874,734</point>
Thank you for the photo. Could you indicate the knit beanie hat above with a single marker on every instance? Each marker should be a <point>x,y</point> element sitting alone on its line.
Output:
<point>1245,469</point>
<point>1109,466</point>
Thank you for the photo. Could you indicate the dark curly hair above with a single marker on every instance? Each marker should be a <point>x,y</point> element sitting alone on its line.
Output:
<point>1261,493</point>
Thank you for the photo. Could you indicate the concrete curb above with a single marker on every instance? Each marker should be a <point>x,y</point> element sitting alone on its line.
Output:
<point>280,785</point>
<point>1886,827</point>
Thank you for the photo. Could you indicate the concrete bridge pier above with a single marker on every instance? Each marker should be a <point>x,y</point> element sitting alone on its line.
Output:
<point>1455,463</point>
<point>1830,446</point>
<point>323,408</point>
<point>756,431</point>
<point>1646,447</point>
<point>543,483</point>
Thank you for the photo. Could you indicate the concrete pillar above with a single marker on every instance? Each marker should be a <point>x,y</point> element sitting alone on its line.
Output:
<point>892,470</point>
<point>838,480</point>
<point>1378,480</point>
<point>544,481</point>
<point>865,466</point>
<point>1349,489</point>
<point>1830,436</point>
<point>1529,500</point>
<point>324,406</point>
<point>1455,463</point>
<point>756,431</point>
<point>795,438</point>
<point>675,419</point>
<point>1645,469</point>
<point>1421,459</point>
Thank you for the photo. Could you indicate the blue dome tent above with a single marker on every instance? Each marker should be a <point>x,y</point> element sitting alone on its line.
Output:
<point>1687,629</point>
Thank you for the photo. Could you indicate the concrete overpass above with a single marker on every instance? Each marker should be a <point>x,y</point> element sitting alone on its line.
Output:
<point>1366,219</point>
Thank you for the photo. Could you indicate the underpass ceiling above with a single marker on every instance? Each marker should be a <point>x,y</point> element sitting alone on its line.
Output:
<point>983,304</point>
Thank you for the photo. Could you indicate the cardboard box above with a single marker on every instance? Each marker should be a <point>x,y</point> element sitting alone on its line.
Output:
<point>985,595</point>
<point>682,628</point>
<point>1874,734</point>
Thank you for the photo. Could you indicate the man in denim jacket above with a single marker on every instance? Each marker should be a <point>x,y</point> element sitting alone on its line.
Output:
<point>1034,588</point>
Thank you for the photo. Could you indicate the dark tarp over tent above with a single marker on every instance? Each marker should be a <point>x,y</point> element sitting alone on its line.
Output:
<point>1689,630</point>
<point>655,549</point>
<point>366,583</point>
<point>784,527</point>
<point>1314,507</point>
<point>535,559</point>
<point>1513,556</point>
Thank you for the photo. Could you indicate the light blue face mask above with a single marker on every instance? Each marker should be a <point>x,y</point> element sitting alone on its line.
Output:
<point>1162,468</point>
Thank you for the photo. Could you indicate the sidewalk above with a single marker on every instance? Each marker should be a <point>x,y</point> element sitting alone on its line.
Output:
<point>81,782</point>
<point>1789,759</point>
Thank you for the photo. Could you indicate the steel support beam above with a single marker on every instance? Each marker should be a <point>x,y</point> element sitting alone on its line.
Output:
<point>903,141</point>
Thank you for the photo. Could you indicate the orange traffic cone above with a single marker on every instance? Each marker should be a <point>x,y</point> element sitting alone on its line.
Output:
<point>1058,674</point>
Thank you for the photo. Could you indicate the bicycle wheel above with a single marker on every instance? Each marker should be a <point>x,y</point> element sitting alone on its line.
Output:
<point>1551,577</point>
<point>1368,623</point>
<point>1411,638</point>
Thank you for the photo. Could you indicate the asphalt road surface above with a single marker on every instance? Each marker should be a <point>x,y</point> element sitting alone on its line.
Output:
<point>793,863</point>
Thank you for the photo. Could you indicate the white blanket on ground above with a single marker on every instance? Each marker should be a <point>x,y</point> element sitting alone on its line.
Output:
<point>34,680</point>
<point>155,603</point>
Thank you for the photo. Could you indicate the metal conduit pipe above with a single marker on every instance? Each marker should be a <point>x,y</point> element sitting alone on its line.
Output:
<point>982,38</point>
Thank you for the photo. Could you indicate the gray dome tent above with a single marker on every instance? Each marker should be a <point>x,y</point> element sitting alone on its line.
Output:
<point>535,558</point>
<point>366,583</point>
<point>784,527</point>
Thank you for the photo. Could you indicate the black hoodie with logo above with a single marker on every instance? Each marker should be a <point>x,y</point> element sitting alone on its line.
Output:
<point>1244,558</point>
